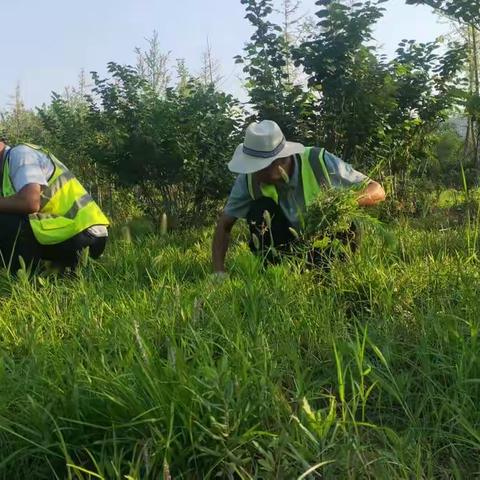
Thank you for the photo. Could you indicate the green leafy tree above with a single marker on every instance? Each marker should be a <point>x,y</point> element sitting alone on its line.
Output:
<point>19,124</point>
<point>268,68</point>
<point>153,65</point>
<point>367,109</point>
<point>174,149</point>
<point>353,87</point>
<point>466,11</point>
<point>426,89</point>
<point>69,133</point>
<point>467,14</point>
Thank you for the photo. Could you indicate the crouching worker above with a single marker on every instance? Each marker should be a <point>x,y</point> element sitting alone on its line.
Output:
<point>282,178</point>
<point>45,213</point>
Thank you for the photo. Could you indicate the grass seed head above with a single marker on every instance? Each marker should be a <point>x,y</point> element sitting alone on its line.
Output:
<point>284,174</point>
<point>294,233</point>
<point>256,241</point>
<point>163,225</point>
<point>268,219</point>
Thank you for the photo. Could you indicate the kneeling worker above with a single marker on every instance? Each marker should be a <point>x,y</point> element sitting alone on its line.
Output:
<point>45,212</point>
<point>262,161</point>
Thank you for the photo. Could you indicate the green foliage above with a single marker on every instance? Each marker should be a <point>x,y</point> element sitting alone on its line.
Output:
<point>332,212</point>
<point>371,109</point>
<point>473,107</point>
<point>353,88</point>
<point>329,220</point>
<point>444,166</point>
<point>169,149</point>
<point>69,133</point>
<point>18,126</point>
<point>428,82</point>
<point>463,10</point>
<point>271,89</point>
<point>144,367</point>
<point>355,103</point>
<point>179,144</point>
<point>169,145</point>
<point>467,15</point>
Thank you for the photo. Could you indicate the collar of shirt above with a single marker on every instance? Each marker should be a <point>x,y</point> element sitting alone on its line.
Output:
<point>7,148</point>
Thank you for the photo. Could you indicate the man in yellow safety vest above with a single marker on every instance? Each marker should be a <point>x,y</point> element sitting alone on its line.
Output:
<point>262,162</point>
<point>45,212</point>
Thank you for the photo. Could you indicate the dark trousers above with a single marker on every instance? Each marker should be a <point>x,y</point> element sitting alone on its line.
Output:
<point>283,240</point>
<point>17,240</point>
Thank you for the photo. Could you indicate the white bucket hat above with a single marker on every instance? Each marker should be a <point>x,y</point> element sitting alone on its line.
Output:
<point>264,142</point>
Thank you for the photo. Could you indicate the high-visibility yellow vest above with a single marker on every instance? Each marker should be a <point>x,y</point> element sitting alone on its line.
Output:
<point>313,174</point>
<point>66,208</point>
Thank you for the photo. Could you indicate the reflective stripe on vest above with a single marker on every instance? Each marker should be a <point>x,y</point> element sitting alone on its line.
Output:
<point>66,208</point>
<point>313,174</point>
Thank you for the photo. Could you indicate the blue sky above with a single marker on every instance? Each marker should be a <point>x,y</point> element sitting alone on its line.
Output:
<point>46,43</point>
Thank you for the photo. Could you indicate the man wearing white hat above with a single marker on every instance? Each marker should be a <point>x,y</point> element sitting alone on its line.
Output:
<point>261,162</point>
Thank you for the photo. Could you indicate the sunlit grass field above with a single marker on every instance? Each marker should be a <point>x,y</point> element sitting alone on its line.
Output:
<point>144,367</point>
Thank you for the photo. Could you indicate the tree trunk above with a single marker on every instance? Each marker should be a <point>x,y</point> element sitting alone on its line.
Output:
<point>476,87</point>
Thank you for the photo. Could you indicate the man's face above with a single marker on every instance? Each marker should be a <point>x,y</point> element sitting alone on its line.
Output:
<point>272,174</point>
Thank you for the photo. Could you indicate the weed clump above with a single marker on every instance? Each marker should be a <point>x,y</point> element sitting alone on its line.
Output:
<point>331,214</point>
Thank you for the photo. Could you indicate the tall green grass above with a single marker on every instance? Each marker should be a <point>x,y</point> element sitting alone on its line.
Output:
<point>143,367</point>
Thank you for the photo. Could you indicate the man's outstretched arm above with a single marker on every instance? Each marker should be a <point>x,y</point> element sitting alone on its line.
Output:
<point>221,241</point>
<point>372,194</point>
